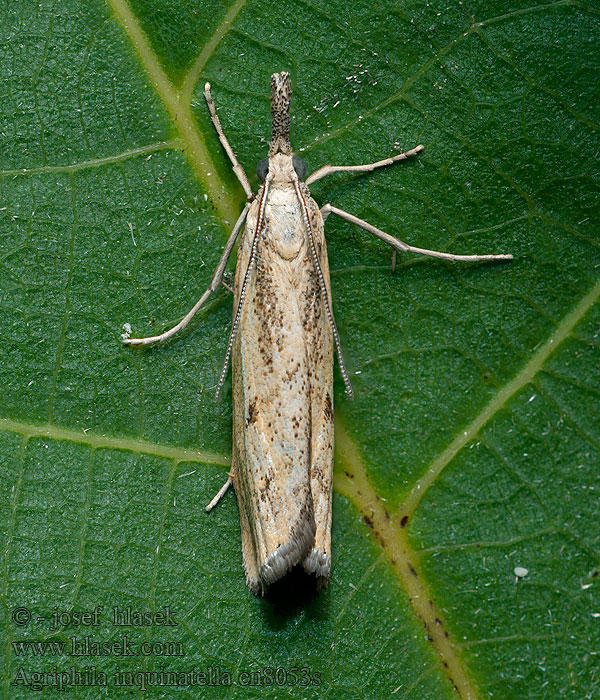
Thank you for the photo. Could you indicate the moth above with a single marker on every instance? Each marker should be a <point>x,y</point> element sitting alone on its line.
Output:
<point>281,350</point>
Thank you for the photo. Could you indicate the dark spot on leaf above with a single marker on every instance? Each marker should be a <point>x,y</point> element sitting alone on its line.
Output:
<point>368,521</point>
<point>404,521</point>
<point>411,568</point>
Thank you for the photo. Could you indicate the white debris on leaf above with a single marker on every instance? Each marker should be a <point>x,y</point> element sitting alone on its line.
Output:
<point>520,572</point>
<point>126,334</point>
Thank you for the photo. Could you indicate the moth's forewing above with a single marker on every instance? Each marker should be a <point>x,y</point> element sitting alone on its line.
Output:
<point>282,398</point>
<point>319,345</point>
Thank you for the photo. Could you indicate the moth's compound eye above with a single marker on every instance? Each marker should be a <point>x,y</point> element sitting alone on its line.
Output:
<point>262,169</point>
<point>299,167</point>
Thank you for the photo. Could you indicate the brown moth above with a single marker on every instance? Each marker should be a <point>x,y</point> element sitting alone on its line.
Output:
<point>281,349</point>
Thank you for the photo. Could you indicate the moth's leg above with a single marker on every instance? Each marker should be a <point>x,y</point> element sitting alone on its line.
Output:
<point>328,169</point>
<point>237,168</point>
<point>214,283</point>
<point>222,491</point>
<point>397,244</point>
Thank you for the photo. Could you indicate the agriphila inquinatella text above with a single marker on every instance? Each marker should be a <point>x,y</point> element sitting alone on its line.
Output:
<point>281,351</point>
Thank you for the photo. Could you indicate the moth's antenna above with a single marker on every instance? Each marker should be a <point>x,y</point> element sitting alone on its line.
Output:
<point>281,93</point>
<point>323,288</point>
<point>238,312</point>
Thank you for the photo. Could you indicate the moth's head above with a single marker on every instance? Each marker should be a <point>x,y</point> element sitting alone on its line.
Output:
<point>281,162</point>
<point>281,165</point>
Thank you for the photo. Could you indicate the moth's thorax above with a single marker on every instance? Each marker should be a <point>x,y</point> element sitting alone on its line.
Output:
<point>285,227</point>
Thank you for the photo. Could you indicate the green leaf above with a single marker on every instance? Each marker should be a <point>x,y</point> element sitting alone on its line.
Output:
<point>472,446</point>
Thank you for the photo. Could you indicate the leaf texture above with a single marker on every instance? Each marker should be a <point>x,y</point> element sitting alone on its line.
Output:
<point>472,447</point>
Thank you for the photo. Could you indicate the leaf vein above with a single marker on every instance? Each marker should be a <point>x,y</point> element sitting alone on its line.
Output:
<point>527,373</point>
<point>138,445</point>
<point>96,162</point>
<point>190,80</point>
<point>183,120</point>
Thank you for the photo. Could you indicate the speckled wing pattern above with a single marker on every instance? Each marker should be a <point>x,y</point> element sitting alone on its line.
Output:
<point>282,364</point>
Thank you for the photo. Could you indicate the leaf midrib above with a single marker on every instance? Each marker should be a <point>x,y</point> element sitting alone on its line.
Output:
<point>180,111</point>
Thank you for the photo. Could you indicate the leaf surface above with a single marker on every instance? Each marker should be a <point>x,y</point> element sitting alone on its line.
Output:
<point>472,447</point>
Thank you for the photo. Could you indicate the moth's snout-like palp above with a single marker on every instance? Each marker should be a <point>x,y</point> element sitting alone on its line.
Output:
<point>281,93</point>
<point>281,167</point>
